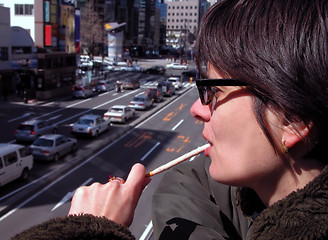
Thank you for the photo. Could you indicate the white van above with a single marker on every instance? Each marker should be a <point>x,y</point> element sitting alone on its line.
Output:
<point>16,161</point>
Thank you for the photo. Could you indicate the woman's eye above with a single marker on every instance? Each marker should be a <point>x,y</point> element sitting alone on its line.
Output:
<point>217,91</point>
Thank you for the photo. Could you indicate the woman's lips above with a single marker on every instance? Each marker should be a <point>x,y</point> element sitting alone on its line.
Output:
<point>207,151</point>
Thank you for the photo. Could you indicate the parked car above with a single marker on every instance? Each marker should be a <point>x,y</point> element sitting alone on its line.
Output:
<point>131,84</point>
<point>119,113</point>
<point>156,94</point>
<point>81,91</point>
<point>134,68</point>
<point>176,66</point>
<point>155,70</point>
<point>90,125</point>
<point>51,147</point>
<point>30,130</point>
<point>176,81</point>
<point>105,85</point>
<point>141,102</point>
<point>16,161</point>
<point>167,88</point>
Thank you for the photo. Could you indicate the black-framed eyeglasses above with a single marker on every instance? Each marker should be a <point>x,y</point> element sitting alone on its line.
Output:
<point>207,90</point>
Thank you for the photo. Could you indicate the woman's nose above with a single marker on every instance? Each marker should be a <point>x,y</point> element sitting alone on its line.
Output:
<point>200,112</point>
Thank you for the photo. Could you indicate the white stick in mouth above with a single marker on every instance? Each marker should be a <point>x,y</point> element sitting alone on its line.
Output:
<point>178,160</point>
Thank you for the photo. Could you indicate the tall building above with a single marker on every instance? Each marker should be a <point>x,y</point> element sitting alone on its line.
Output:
<point>21,14</point>
<point>183,18</point>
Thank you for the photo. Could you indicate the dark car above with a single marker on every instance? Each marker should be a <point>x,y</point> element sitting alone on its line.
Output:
<point>167,88</point>
<point>156,94</point>
<point>156,70</point>
<point>131,84</point>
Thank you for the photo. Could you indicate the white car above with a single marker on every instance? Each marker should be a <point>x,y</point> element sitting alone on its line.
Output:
<point>90,125</point>
<point>119,113</point>
<point>176,66</point>
<point>134,68</point>
<point>176,81</point>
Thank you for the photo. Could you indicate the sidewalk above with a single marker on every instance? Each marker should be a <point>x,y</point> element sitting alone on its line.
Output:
<point>13,99</point>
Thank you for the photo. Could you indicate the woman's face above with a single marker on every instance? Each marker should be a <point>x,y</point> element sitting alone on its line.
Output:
<point>240,153</point>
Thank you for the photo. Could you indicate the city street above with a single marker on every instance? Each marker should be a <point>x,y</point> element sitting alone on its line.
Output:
<point>152,138</point>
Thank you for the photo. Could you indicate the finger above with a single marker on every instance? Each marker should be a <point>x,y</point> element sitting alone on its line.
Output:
<point>137,178</point>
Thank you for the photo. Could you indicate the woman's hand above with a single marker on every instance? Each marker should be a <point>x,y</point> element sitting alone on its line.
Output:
<point>114,200</point>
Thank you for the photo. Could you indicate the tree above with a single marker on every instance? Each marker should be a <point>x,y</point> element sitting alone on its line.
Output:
<point>92,29</point>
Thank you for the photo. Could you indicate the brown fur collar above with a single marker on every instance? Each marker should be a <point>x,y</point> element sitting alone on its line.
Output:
<point>303,214</point>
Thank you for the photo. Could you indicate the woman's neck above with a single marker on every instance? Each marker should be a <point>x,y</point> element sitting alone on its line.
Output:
<point>297,176</point>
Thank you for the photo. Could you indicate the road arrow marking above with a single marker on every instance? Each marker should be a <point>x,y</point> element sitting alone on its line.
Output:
<point>69,196</point>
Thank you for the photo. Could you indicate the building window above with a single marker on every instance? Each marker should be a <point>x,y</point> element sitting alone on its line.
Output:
<point>4,54</point>
<point>190,7</point>
<point>24,9</point>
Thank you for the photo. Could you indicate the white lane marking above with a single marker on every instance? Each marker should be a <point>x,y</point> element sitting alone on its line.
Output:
<point>89,110</point>
<point>149,152</point>
<point>25,186</point>
<point>146,232</point>
<point>176,126</point>
<point>23,116</point>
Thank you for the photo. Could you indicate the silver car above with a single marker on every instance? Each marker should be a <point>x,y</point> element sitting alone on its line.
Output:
<point>51,147</point>
<point>105,86</point>
<point>30,130</point>
<point>90,125</point>
<point>141,102</point>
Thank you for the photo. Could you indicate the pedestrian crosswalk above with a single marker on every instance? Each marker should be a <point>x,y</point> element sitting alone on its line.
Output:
<point>146,80</point>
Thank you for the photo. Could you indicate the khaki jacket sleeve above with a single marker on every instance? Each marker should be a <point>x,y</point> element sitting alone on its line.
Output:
<point>188,204</point>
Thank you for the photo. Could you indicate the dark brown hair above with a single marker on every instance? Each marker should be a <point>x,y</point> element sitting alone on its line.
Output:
<point>279,48</point>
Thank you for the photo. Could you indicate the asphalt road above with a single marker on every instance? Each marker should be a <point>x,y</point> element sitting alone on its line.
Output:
<point>152,138</point>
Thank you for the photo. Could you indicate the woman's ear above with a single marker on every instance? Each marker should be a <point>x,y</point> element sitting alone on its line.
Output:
<point>295,132</point>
